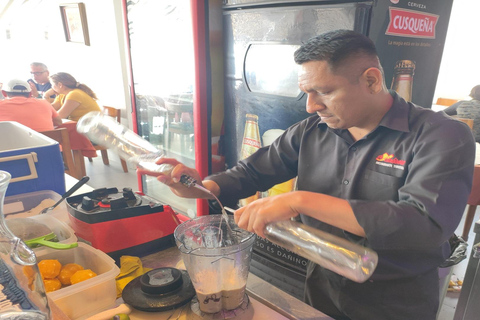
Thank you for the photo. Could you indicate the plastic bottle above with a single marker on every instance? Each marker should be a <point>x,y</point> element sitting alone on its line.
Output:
<point>106,131</point>
<point>22,293</point>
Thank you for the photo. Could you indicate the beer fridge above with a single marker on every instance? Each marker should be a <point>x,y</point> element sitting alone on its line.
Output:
<point>216,63</point>
<point>261,77</point>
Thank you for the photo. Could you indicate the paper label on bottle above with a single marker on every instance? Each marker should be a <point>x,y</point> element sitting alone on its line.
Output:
<point>12,297</point>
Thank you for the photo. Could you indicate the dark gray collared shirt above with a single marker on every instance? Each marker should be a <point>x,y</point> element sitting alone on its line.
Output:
<point>407,181</point>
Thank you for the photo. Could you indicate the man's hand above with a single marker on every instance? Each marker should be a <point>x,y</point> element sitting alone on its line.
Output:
<point>34,89</point>
<point>331,210</point>
<point>172,179</point>
<point>255,216</point>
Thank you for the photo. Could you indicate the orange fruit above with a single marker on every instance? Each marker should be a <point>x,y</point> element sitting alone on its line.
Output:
<point>30,274</point>
<point>52,284</point>
<point>67,272</point>
<point>82,275</point>
<point>49,269</point>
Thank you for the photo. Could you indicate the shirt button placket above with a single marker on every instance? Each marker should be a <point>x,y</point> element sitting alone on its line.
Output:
<point>349,170</point>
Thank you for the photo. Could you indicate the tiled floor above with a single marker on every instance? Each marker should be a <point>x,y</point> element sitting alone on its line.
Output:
<point>110,176</point>
<point>113,176</point>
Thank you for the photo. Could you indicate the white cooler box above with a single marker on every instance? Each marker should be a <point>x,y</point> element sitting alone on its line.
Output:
<point>33,160</point>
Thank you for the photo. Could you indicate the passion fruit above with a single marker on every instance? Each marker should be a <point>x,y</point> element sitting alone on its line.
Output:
<point>67,272</point>
<point>52,284</point>
<point>49,268</point>
<point>82,275</point>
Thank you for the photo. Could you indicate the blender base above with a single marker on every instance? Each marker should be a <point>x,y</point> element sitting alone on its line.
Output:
<point>236,313</point>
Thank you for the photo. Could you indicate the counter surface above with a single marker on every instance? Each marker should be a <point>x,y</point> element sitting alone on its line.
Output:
<point>268,301</point>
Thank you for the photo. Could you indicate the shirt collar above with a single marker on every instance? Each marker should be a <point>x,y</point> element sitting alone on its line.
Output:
<point>397,117</point>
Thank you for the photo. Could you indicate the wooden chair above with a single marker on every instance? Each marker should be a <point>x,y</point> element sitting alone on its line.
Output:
<point>446,101</point>
<point>472,203</point>
<point>469,122</point>
<point>61,136</point>
<point>474,198</point>
<point>114,113</point>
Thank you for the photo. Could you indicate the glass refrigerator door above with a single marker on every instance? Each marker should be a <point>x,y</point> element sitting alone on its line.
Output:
<point>162,58</point>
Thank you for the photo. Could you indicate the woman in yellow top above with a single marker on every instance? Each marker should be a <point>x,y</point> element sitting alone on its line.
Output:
<point>74,99</point>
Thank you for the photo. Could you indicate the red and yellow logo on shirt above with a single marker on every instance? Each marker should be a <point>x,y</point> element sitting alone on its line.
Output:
<point>389,160</point>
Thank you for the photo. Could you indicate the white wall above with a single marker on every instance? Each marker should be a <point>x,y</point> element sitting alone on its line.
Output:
<point>37,35</point>
<point>460,68</point>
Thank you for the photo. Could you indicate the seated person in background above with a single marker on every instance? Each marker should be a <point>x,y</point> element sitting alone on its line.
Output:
<point>40,83</point>
<point>21,107</point>
<point>469,109</point>
<point>74,99</point>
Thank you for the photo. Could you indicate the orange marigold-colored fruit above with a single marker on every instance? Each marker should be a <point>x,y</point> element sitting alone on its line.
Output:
<point>67,272</point>
<point>49,269</point>
<point>82,275</point>
<point>52,284</point>
<point>30,274</point>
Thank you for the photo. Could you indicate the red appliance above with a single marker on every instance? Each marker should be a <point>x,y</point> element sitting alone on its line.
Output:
<point>122,222</point>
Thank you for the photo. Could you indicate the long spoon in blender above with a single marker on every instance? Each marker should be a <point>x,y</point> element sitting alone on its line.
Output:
<point>67,194</point>
<point>230,233</point>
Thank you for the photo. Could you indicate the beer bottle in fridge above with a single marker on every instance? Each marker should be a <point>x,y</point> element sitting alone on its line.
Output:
<point>250,144</point>
<point>403,78</point>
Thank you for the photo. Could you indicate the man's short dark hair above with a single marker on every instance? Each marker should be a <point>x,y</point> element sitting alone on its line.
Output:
<point>335,47</point>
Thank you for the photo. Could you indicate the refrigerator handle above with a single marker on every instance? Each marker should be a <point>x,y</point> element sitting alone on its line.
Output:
<point>363,14</point>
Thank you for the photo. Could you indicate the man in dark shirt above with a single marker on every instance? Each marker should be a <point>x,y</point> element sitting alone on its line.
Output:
<point>371,168</point>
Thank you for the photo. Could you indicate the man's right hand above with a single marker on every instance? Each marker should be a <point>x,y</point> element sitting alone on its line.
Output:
<point>34,89</point>
<point>172,180</point>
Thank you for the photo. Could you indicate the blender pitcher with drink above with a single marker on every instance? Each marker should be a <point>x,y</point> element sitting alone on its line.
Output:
<point>218,269</point>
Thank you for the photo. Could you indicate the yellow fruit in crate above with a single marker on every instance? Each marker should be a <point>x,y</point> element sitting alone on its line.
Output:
<point>67,272</point>
<point>51,284</point>
<point>82,275</point>
<point>49,268</point>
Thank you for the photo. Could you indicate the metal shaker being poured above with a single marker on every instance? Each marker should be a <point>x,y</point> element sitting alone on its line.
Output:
<point>341,256</point>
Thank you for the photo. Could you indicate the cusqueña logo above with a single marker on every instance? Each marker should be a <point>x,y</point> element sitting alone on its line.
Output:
<point>410,23</point>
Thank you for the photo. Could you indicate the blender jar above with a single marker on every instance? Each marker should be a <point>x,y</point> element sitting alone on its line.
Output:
<point>218,269</point>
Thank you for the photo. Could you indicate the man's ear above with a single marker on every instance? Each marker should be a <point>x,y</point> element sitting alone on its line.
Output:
<point>374,79</point>
<point>4,94</point>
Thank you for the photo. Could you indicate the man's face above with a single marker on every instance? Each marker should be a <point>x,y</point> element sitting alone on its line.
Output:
<point>340,102</point>
<point>40,75</point>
